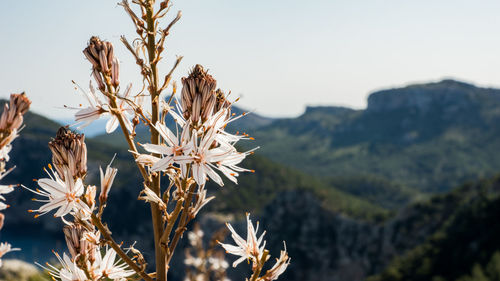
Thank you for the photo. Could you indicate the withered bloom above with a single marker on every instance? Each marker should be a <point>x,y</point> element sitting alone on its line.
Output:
<point>198,95</point>
<point>69,150</point>
<point>105,65</point>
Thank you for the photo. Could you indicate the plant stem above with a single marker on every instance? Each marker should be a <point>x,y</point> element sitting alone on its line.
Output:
<point>155,139</point>
<point>181,227</point>
<point>260,265</point>
<point>128,137</point>
<point>106,234</point>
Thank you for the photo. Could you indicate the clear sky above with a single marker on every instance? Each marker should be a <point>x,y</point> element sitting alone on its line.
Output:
<point>278,55</point>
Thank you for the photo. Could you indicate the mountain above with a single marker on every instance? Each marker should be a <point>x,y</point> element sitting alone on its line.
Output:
<point>351,191</point>
<point>440,238</point>
<point>427,137</point>
<point>464,247</point>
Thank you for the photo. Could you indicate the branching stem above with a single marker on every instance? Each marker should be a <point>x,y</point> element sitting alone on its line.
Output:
<point>106,234</point>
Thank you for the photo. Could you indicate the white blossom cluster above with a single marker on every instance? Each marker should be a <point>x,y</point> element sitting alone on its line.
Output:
<point>64,192</point>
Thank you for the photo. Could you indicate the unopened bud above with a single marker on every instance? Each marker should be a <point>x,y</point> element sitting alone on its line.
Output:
<point>90,195</point>
<point>69,150</point>
<point>73,235</point>
<point>198,96</point>
<point>98,79</point>
<point>115,72</point>
<point>10,121</point>
<point>222,102</point>
<point>12,116</point>
<point>101,56</point>
<point>2,218</point>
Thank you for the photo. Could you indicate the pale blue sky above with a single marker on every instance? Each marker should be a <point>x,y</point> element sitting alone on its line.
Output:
<point>279,55</point>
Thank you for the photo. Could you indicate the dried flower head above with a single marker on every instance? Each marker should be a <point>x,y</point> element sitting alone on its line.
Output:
<point>69,151</point>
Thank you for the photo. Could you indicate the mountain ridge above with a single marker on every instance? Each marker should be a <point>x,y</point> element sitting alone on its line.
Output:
<point>441,129</point>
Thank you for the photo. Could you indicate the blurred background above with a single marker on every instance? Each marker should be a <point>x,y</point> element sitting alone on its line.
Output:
<point>378,122</point>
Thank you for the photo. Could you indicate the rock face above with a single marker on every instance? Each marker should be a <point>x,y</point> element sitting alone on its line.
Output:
<point>328,246</point>
<point>447,93</point>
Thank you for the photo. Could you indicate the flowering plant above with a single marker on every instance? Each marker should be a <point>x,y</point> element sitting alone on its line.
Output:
<point>11,123</point>
<point>199,151</point>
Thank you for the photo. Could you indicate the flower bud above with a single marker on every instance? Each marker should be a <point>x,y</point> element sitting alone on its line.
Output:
<point>73,235</point>
<point>198,95</point>
<point>69,150</point>
<point>10,121</point>
<point>100,54</point>
<point>2,219</point>
<point>90,195</point>
<point>222,102</point>
<point>98,79</point>
<point>78,244</point>
<point>12,116</point>
<point>115,72</point>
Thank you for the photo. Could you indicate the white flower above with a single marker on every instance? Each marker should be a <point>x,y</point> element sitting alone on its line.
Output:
<point>97,108</point>
<point>107,180</point>
<point>217,264</point>
<point>69,270</point>
<point>6,145</point>
<point>61,195</point>
<point>195,236</point>
<point>4,249</point>
<point>151,196</point>
<point>174,150</point>
<point>279,267</point>
<point>4,152</point>
<point>193,261</point>
<point>224,158</point>
<point>201,200</point>
<point>124,107</point>
<point>110,267</point>
<point>4,189</point>
<point>91,113</point>
<point>250,248</point>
